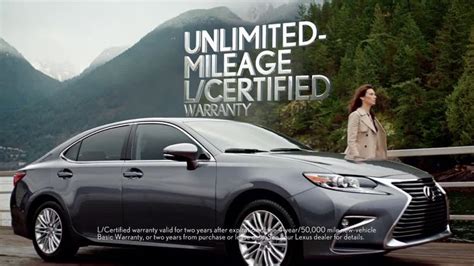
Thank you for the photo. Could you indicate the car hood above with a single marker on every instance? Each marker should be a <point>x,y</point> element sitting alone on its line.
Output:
<point>336,163</point>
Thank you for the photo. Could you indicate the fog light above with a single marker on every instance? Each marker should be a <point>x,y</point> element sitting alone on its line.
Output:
<point>345,223</point>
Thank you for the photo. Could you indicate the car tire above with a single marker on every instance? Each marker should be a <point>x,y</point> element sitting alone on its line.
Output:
<point>246,251</point>
<point>51,235</point>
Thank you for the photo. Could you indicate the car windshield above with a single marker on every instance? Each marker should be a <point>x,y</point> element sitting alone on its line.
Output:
<point>238,137</point>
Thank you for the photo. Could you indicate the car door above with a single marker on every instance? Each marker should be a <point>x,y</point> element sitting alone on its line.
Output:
<point>165,195</point>
<point>89,179</point>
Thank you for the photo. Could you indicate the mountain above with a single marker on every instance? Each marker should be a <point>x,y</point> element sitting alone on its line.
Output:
<point>60,71</point>
<point>203,17</point>
<point>146,80</point>
<point>21,87</point>
<point>7,50</point>
<point>104,57</point>
<point>266,12</point>
<point>21,84</point>
<point>283,13</point>
<point>255,11</point>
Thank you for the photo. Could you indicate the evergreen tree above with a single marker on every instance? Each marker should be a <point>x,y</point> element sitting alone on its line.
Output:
<point>460,113</point>
<point>378,49</point>
<point>404,64</point>
<point>411,47</point>
<point>366,66</point>
<point>344,82</point>
<point>379,24</point>
<point>450,43</point>
<point>428,15</point>
<point>370,55</point>
<point>339,30</point>
<point>412,116</point>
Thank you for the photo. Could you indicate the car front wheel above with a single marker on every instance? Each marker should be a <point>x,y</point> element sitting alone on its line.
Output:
<point>262,237</point>
<point>51,237</point>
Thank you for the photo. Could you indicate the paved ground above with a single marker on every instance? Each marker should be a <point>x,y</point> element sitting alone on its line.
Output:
<point>15,250</point>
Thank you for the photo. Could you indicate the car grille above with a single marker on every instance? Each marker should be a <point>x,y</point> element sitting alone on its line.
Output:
<point>423,217</point>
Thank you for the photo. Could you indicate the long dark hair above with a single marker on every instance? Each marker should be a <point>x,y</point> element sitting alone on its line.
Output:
<point>356,102</point>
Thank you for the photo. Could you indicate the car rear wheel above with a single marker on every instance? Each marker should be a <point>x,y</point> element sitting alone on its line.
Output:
<point>262,238</point>
<point>51,237</point>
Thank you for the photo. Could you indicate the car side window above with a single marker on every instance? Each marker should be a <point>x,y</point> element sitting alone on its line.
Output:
<point>151,139</point>
<point>72,152</point>
<point>104,146</point>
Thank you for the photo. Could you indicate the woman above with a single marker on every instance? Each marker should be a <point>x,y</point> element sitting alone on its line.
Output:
<point>366,138</point>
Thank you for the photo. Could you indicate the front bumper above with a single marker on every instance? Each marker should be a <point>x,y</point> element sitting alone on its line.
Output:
<point>377,223</point>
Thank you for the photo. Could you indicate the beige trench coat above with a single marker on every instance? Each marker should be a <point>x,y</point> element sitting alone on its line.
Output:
<point>363,141</point>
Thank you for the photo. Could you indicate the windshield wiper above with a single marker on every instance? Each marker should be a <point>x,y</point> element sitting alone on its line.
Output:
<point>241,150</point>
<point>286,149</point>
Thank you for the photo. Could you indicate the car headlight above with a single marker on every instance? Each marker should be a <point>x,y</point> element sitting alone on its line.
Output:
<point>344,183</point>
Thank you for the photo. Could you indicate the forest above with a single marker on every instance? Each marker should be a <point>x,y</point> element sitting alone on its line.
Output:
<point>419,56</point>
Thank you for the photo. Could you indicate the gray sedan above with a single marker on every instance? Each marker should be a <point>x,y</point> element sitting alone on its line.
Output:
<point>220,185</point>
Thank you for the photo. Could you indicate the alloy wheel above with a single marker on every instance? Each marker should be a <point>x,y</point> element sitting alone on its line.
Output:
<point>262,239</point>
<point>48,230</point>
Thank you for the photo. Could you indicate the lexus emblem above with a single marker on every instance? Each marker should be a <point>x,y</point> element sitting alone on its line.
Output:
<point>429,193</point>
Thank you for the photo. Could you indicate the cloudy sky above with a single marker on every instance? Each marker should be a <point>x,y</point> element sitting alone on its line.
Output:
<point>76,32</point>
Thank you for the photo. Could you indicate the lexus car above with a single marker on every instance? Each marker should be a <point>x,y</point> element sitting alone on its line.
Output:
<point>212,184</point>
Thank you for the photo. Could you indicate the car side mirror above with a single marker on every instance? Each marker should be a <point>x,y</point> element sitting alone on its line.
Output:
<point>183,152</point>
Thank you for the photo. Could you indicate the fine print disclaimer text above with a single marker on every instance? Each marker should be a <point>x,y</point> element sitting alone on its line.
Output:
<point>175,233</point>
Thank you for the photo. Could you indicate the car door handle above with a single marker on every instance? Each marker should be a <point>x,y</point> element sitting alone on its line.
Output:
<point>133,173</point>
<point>65,173</point>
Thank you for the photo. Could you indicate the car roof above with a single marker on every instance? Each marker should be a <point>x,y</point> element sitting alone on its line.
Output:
<point>174,120</point>
<point>171,119</point>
